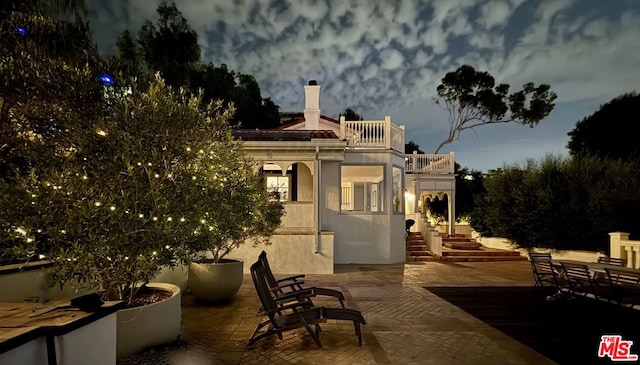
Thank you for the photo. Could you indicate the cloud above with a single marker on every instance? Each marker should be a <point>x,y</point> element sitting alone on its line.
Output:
<point>387,57</point>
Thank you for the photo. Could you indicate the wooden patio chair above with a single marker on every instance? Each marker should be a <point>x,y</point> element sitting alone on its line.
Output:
<point>610,261</point>
<point>580,282</point>
<point>289,316</point>
<point>292,287</point>
<point>598,275</point>
<point>626,285</point>
<point>545,275</point>
<point>539,256</point>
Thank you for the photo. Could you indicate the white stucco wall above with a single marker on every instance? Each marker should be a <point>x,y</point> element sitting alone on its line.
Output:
<point>505,244</point>
<point>297,216</point>
<point>292,253</point>
<point>305,184</point>
<point>363,237</point>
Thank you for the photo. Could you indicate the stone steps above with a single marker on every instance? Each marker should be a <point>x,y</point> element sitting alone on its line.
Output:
<point>457,248</point>
<point>417,249</point>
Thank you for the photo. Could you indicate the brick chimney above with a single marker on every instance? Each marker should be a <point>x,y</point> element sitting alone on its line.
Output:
<point>312,106</point>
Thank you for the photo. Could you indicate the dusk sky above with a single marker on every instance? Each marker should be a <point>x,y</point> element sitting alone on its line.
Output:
<point>387,58</point>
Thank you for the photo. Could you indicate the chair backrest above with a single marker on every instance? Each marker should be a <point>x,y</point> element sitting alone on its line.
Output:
<point>623,277</point>
<point>271,279</point>
<point>544,273</point>
<point>610,261</point>
<point>539,256</point>
<point>267,301</point>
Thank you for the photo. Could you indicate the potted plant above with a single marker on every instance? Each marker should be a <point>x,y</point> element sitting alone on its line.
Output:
<point>244,213</point>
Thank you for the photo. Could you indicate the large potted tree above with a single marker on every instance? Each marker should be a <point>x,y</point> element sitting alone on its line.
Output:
<point>243,214</point>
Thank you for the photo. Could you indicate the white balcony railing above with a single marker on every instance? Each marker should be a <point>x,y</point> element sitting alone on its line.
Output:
<point>429,163</point>
<point>372,134</point>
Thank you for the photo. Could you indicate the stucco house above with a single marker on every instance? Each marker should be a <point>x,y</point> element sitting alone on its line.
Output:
<point>347,186</point>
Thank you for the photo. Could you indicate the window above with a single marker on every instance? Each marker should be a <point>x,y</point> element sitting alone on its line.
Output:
<point>278,187</point>
<point>398,193</point>
<point>362,188</point>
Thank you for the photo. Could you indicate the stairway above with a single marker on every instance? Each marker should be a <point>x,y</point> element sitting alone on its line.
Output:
<point>417,249</point>
<point>459,248</point>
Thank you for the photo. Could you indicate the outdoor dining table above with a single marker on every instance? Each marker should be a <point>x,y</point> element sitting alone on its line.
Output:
<point>37,333</point>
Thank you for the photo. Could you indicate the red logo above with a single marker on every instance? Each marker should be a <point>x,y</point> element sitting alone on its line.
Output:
<point>616,348</point>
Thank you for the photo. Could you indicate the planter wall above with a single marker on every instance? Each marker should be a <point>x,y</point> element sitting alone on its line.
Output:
<point>151,325</point>
<point>30,282</point>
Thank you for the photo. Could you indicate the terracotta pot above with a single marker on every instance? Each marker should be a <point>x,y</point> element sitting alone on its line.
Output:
<point>214,282</point>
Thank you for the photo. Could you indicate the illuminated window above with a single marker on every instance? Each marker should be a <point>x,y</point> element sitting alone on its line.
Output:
<point>362,188</point>
<point>278,187</point>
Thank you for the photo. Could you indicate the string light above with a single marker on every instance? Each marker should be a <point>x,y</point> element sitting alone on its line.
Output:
<point>22,30</point>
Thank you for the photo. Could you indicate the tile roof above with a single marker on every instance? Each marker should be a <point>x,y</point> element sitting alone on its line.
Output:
<point>276,135</point>
<point>289,119</point>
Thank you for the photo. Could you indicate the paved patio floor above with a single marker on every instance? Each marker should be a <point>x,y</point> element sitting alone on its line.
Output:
<point>406,324</point>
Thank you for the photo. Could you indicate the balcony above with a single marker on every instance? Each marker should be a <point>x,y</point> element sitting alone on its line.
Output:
<point>429,163</point>
<point>372,134</point>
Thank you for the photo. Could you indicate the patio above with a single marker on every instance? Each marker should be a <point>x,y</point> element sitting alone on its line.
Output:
<point>406,324</point>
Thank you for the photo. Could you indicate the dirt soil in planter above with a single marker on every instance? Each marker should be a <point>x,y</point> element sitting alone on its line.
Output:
<point>149,296</point>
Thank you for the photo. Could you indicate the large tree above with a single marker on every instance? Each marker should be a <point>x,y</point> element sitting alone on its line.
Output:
<point>607,133</point>
<point>473,99</point>
<point>170,46</point>
<point>350,114</point>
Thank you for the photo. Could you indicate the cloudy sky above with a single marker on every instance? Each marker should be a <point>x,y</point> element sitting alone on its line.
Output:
<point>387,57</point>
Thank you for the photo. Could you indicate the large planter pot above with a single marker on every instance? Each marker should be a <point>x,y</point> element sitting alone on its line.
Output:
<point>214,282</point>
<point>140,328</point>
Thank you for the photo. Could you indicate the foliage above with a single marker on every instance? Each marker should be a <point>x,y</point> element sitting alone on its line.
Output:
<point>560,203</point>
<point>171,47</point>
<point>411,146</point>
<point>473,99</point>
<point>607,132</point>
<point>116,184</point>
<point>350,114</point>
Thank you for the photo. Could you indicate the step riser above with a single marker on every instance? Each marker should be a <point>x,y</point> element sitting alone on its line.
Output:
<point>482,259</point>
<point>480,253</point>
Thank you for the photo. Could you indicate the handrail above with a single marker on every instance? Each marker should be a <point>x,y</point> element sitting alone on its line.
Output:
<point>430,163</point>
<point>372,134</point>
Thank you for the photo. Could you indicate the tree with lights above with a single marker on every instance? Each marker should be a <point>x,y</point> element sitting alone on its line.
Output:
<point>117,184</point>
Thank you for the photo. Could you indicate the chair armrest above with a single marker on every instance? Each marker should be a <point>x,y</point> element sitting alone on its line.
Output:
<point>289,285</point>
<point>292,306</point>
<point>305,293</point>
<point>293,277</point>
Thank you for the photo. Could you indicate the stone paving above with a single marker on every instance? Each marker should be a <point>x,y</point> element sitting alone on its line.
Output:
<point>406,324</point>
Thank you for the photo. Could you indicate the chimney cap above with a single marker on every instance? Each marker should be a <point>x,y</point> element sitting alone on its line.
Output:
<point>313,82</point>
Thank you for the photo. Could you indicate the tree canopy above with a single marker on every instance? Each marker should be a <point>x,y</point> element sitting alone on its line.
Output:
<point>560,203</point>
<point>473,99</point>
<point>171,47</point>
<point>350,114</point>
<point>609,132</point>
